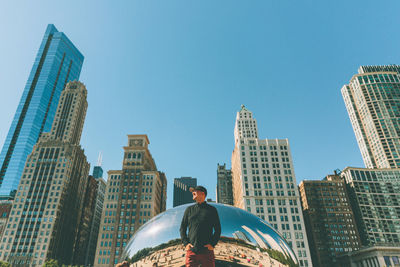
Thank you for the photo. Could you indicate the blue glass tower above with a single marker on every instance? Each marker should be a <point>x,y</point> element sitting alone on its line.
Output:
<point>57,62</point>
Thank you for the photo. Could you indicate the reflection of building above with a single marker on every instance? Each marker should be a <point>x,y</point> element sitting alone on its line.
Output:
<point>224,185</point>
<point>48,206</point>
<point>57,62</point>
<point>372,99</point>
<point>134,195</point>
<point>264,184</point>
<point>375,199</point>
<point>182,195</point>
<point>241,235</point>
<point>329,219</point>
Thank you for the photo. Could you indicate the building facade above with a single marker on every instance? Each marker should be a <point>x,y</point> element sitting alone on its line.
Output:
<point>375,256</point>
<point>182,195</point>
<point>224,185</point>
<point>47,209</point>
<point>375,199</point>
<point>96,220</point>
<point>372,99</point>
<point>263,183</point>
<point>134,195</point>
<point>57,62</point>
<point>329,219</point>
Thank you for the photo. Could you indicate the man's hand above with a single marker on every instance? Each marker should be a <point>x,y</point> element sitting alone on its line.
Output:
<point>209,247</point>
<point>188,246</point>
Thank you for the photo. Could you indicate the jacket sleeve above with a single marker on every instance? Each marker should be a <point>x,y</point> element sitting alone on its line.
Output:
<point>217,230</point>
<point>184,225</point>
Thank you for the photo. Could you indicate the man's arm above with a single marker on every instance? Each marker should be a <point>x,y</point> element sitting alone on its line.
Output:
<point>184,225</point>
<point>217,230</point>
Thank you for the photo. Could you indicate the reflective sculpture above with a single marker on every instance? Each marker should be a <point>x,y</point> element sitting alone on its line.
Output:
<point>246,240</point>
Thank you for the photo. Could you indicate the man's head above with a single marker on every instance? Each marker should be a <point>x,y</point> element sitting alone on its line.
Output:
<point>199,193</point>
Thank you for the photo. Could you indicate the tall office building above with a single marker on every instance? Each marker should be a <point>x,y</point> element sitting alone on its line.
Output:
<point>98,210</point>
<point>372,100</point>
<point>329,219</point>
<point>182,195</point>
<point>57,62</point>
<point>264,184</point>
<point>224,185</point>
<point>134,195</point>
<point>47,208</point>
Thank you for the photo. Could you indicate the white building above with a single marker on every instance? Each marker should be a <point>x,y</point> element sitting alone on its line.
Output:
<point>264,183</point>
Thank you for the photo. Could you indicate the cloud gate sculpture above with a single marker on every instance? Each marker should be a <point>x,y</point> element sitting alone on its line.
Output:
<point>246,240</point>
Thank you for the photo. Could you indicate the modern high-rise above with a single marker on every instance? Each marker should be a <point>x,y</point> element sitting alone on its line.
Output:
<point>224,185</point>
<point>263,183</point>
<point>329,219</point>
<point>47,209</point>
<point>375,199</point>
<point>372,99</point>
<point>182,195</point>
<point>57,62</point>
<point>134,195</point>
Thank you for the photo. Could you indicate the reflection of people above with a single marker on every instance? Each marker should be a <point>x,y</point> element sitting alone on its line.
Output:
<point>204,230</point>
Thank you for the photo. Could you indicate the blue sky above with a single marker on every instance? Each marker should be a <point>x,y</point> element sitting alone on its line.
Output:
<point>179,71</point>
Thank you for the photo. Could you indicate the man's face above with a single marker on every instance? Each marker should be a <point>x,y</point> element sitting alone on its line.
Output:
<point>198,196</point>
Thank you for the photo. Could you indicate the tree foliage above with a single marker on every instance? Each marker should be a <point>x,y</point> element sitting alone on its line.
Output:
<point>51,263</point>
<point>4,264</point>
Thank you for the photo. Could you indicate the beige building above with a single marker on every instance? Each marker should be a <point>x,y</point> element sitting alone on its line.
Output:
<point>45,215</point>
<point>264,183</point>
<point>372,99</point>
<point>134,195</point>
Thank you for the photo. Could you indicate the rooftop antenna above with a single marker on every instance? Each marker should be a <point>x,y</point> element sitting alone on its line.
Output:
<point>100,159</point>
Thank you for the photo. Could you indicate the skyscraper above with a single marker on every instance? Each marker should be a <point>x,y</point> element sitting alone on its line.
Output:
<point>224,185</point>
<point>264,184</point>
<point>57,62</point>
<point>182,195</point>
<point>46,213</point>
<point>134,195</point>
<point>329,218</point>
<point>372,99</point>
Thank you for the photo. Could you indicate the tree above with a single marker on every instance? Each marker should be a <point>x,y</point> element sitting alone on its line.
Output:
<point>4,264</point>
<point>51,263</point>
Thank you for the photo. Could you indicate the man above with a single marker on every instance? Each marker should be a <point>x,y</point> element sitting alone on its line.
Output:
<point>201,219</point>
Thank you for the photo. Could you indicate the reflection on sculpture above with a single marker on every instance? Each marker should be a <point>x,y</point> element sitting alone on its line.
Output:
<point>246,240</point>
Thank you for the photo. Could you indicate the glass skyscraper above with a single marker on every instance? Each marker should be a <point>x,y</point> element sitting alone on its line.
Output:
<point>57,62</point>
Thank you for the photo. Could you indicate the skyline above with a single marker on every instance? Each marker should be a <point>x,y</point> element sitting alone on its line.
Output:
<point>200,84</point>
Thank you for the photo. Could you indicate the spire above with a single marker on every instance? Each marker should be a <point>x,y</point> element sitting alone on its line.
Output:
<point>100,159</point>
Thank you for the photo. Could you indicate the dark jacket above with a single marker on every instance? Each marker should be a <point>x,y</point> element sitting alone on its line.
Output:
<point>204,226</point>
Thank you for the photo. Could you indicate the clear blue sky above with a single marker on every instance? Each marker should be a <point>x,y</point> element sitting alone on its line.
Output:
<point>179,71</point>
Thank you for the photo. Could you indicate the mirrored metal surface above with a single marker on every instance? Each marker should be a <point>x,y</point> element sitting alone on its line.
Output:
<point>246,240</point>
